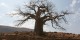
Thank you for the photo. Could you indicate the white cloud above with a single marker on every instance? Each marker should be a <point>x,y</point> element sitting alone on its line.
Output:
<point>73,3</point>
<point>3,4</point>
<point>12,13</point>
<point>1,16</point>
<point>78,1</point>
<point>73,6</point>
<point>74,20</point>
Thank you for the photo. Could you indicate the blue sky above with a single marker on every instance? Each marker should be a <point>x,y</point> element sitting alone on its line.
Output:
<point>73,26</point>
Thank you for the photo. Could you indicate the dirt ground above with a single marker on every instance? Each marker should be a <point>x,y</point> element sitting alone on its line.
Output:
<point>33,36</point>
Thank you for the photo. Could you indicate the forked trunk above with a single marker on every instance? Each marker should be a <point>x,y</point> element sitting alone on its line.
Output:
<point>39,27</point>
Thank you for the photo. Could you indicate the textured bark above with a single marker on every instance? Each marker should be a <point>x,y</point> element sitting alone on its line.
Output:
<point>39,27</point>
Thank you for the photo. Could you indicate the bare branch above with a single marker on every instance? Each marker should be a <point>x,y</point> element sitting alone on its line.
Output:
<point>45,17</point>
<point>52,24</point>
<point>28,14</point>
<point>43,12</point>
<point>22,21</point>
<point>53,19</point>
<point>48,15</point>
<point>64,19</point>
<point>32,8</point>
<point>57,24</point>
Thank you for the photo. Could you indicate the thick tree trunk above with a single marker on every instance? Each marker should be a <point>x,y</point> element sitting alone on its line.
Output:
<point>38,27</point>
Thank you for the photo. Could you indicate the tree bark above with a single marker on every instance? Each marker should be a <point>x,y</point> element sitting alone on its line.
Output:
<point>38,27</point>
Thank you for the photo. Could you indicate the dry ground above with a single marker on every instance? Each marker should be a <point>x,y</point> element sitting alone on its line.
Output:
<point>33,36</point>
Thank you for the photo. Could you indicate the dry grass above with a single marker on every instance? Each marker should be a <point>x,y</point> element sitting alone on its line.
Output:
<point>33,36</point>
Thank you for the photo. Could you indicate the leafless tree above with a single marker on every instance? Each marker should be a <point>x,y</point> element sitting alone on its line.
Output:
<point>43,12</point>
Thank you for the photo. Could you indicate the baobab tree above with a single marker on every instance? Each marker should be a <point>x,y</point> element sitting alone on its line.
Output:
<point>41,11</point>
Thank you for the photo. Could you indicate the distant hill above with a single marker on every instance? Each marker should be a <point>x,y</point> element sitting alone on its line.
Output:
<point>13,29</point>
<point>22,35</point>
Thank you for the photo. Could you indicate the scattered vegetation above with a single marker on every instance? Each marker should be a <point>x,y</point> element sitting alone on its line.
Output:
<point>33,36</point>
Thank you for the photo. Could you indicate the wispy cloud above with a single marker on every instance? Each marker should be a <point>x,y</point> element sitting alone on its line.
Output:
<point>3,4</point>
<point>74,20</point>
<point>74,7</point>
<point>73,3</point>
<point>78,1</point>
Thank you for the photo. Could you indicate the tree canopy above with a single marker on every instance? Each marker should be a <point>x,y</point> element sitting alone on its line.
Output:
<point>41,11</point>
